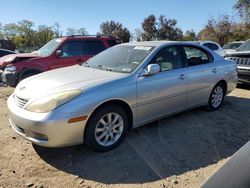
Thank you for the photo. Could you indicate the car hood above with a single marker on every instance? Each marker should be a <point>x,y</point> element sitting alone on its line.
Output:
<point>69,78</point>
<point>8,59</point>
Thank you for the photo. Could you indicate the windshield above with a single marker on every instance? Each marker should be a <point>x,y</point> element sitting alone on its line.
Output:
<point>232,46</point>
<point>48,48</point>
<point>122,58</point>
<point>245,46</point>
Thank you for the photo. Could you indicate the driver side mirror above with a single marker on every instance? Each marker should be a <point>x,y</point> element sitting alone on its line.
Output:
<point>151,69</point>
<point>59,53</point>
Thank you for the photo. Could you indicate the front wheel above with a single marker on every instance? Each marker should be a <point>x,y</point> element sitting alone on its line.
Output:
<point>106,128</point>
<point>216,97</point>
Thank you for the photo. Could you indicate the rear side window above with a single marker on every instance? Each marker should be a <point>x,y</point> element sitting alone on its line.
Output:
<point>72,48</point>
<point>93,47</point>
<point>112,42</point>
<point>196,56</point>
<point>212,46</point>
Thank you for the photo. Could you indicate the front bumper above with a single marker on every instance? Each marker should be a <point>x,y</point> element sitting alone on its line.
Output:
<point>244,75</point>
<point>46,129</point>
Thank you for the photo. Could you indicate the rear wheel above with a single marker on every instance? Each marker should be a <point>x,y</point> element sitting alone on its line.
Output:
<point>216,97</point>
<point>106,128</point>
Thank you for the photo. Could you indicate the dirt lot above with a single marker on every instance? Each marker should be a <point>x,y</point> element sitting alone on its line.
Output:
<point>180,151</point>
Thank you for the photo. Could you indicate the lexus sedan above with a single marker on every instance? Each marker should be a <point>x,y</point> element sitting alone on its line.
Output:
<point>121,88</point>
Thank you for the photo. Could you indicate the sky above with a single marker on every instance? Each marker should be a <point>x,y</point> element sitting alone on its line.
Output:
<point>190,14</point>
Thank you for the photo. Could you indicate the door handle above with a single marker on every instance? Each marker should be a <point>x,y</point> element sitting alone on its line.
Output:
<point>182,76</point>
<point>214,70</point>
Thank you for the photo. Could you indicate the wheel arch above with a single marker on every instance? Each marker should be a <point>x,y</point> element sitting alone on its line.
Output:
<point>27,71</point>
<point>118,102</point>
<point>224,83</point>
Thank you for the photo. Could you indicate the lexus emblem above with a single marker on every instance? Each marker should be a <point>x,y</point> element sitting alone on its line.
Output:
<point>22,88</point>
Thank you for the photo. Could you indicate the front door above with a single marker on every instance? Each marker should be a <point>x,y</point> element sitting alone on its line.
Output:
<point>164,92</point>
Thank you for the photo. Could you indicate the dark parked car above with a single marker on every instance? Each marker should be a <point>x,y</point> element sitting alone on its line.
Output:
<point>58,53</point>
<point>4,52</point>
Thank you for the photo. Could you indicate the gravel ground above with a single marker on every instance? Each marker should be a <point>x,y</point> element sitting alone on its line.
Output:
<point>179,151</point>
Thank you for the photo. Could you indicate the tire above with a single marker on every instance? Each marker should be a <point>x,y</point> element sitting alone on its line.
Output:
<point>106,128</point>
<point>216,97</point>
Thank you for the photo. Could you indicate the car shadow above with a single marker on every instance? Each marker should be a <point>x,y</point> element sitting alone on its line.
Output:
<point>243,86</point>
<point>171,146</point>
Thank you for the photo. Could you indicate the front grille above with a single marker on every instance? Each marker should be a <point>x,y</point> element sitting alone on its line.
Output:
<point>241,61</point>
<point>20,101</point>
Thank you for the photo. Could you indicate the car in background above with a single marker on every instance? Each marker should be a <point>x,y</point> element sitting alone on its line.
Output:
<point>121,88</point>
<point>213,46</point>
<point>7,44</point>
<point>57,53</point>
<point>242,58</point>
<point>232,46</point>
<point>4,52</point>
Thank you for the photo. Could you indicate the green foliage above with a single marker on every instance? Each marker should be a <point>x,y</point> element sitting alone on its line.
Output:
<point>27,38</point>
<point>115,29</point>
<point>163,29</point>
<point>243,8</point>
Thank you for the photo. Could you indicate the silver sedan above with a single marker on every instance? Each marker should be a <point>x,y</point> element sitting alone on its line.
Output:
<point>123,87</point>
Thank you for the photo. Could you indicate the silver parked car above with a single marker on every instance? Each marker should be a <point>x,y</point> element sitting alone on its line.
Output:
<point>123,87</point>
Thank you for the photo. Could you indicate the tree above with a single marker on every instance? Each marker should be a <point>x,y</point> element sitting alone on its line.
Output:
<point>1,31</point>
<point>149,28</point>
<point>167,29</point>
<point>163,29</point>
<point>115,29</point>
<point>190,35</point>
<point>71,31</point>
<point>81,31</point>
<point>217,30</point>
<point>243,8</point>
<point>138,34</point>
<point>56,28</point>
<point>25,29</point>
<point>10,30</point>
<point>43,35</point>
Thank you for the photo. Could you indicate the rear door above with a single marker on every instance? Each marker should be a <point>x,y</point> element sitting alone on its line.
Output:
<point>202,73</point>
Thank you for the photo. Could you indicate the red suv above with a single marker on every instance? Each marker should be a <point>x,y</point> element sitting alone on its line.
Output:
<point>59,52</point>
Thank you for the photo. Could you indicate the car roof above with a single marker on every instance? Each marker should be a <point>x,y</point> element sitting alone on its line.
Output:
<point>87,37</point>
<point>157,43</point>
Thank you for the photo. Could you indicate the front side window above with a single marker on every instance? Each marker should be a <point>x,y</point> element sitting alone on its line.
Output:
<point>122,58</point>
<point>196,56</point>
<point>72,48</point>
<point>168,58</point>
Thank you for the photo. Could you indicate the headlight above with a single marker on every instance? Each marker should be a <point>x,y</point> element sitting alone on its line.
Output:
<point>50,102</point>
<point>10,68</point>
